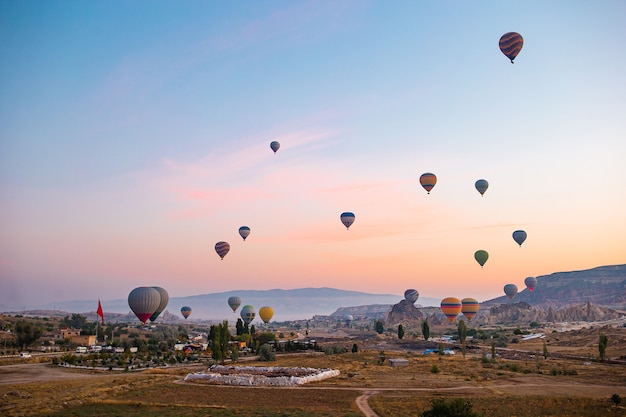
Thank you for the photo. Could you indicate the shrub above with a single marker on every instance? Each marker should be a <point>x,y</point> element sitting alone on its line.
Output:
<point>435,369</point>
<point>266,354</point>
<point>457,407</point>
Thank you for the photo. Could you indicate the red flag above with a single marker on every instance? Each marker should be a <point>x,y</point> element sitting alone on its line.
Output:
<point>99,311</point>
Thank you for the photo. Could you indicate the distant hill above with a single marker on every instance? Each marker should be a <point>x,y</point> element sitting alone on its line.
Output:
<point>296,304</point>
<point>604,286</point>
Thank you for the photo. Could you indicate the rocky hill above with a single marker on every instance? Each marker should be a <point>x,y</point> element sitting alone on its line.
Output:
<point>605,286</point>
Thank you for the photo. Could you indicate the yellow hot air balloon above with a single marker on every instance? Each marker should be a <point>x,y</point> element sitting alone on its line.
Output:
<point>469,307</point>
<point>266,313</point>
<point>451,307</point>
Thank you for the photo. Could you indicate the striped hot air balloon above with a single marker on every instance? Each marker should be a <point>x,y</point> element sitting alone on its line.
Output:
<point>244,231</point>
<point>222,249</point>
<point>411,295</point>
<point>185,311</point>
<point>469,307</point>
<point>451,307</point>
<point>347,218</point>
<point>165,298</point>
<point>481,186</point>
<point>531,283</point>
<point>511,44</point>
<point>428,181</point>
<point>247,314</point>
<point>234,302</point>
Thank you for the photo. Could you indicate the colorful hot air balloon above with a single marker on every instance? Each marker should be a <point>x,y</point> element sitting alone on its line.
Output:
<point>428,181</point>
<point>347,218</point>
<point>247,314</point>
<point>275,146</point>
<point>244,231</point>
<point>469,308</point>
<point>222,249</point>
<point>234,302</point>
<point>266,313</point>
<point>519,236</point>
<point>481,186</point>
<point>511,44</point>
<point>481,257</point>
<point>531,283</point>
<point>451,307</point>
<point>185,311</point>
<point>411,295</point>
<point>510,290</point>
<point>165,298</point>
<point>144,301</point>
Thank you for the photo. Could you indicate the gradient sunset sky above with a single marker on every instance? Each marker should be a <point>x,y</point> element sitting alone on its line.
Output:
<point>135,135</point>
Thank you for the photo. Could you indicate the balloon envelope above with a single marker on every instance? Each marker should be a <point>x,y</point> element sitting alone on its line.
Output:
<point>275,146</point>
<point>266,313</point>
<point>247,314</point>
<point>428,181</point>
<point>511,44</point>
<point>144,301</point>
<point>222,249</point>
<point>481,257</point>
<point>411,295</point>
<point>510,290</point>
<point>234,302</point>
<point>165,298</point>
<point>347,218</point>
<point>469,307</point>
<point>185,311</point>
<point>481,186</point>
<point>531,283</point>
<point>451,307</point>
<point>244,231</point>
<point>519,236</point>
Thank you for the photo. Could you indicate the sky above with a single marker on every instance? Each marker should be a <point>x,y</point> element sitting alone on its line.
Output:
<point>135,135</point>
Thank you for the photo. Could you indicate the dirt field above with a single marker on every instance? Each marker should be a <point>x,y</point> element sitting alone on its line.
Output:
<point>525,387</point>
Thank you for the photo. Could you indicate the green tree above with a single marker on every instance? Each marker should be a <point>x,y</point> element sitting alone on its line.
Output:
<point>462,330</point>
<point>400,331</point>
<point>26,333</point>
<point>545,351</point>
<point>379,326</point>
<point>239,327</point>
<point>617,400</point>
<point>76,321</point>
<point>602,343</point>
<point>457,407</point>
<point>252,330</point>
<point>265,337</point>
<point>266,354</point>
<point>425,329</point>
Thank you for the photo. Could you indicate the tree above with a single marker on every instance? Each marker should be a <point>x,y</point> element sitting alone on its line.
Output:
<point>76,321</point>
<point>400,331</point>
<point>355,348</point>
<point>602,343</point>
<point>545,351</point>
<point>425,330</point>
<point>26,333</point>
<point>379,326</point>
<point>239,327</point>
<point>266,354</point>
<point>617,400</point>
<point>457,407</point>
<point>462,330</point>
<point>252,330</point>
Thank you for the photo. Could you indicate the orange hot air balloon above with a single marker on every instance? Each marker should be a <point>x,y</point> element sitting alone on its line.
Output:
<point>428,181</point>
<point>451,307</point>
<point>511,44</point>
<point>469,307</point>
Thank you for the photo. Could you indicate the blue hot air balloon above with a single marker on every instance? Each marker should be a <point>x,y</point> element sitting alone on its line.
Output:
<point>275,146</point>
<point>244,231</point>
<point>347,218</point>
<point>519,236</point>
<point>481,186</point>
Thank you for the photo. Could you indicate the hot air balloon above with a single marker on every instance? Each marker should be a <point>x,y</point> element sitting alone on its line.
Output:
<point>511,44</point>
<point>451,307</point>
<point>244,231</point>
<point>165,298</point>
<point>234,302</point>
<point>411,295</point>
<point>275,146</point>
<point>222,249</point>
<point>469,307</point>
<point>428,181</point>
<point>349,319</point>
<point>531,283</point>
<point>266,313</point>
<point>481,257</point>
<point>481,186</point>
<point>247,314</point>
<point>519,236</point>
<point>347,218</point>
<point>510,290</point>
<point>144,301</point>
<point>185,311</point>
